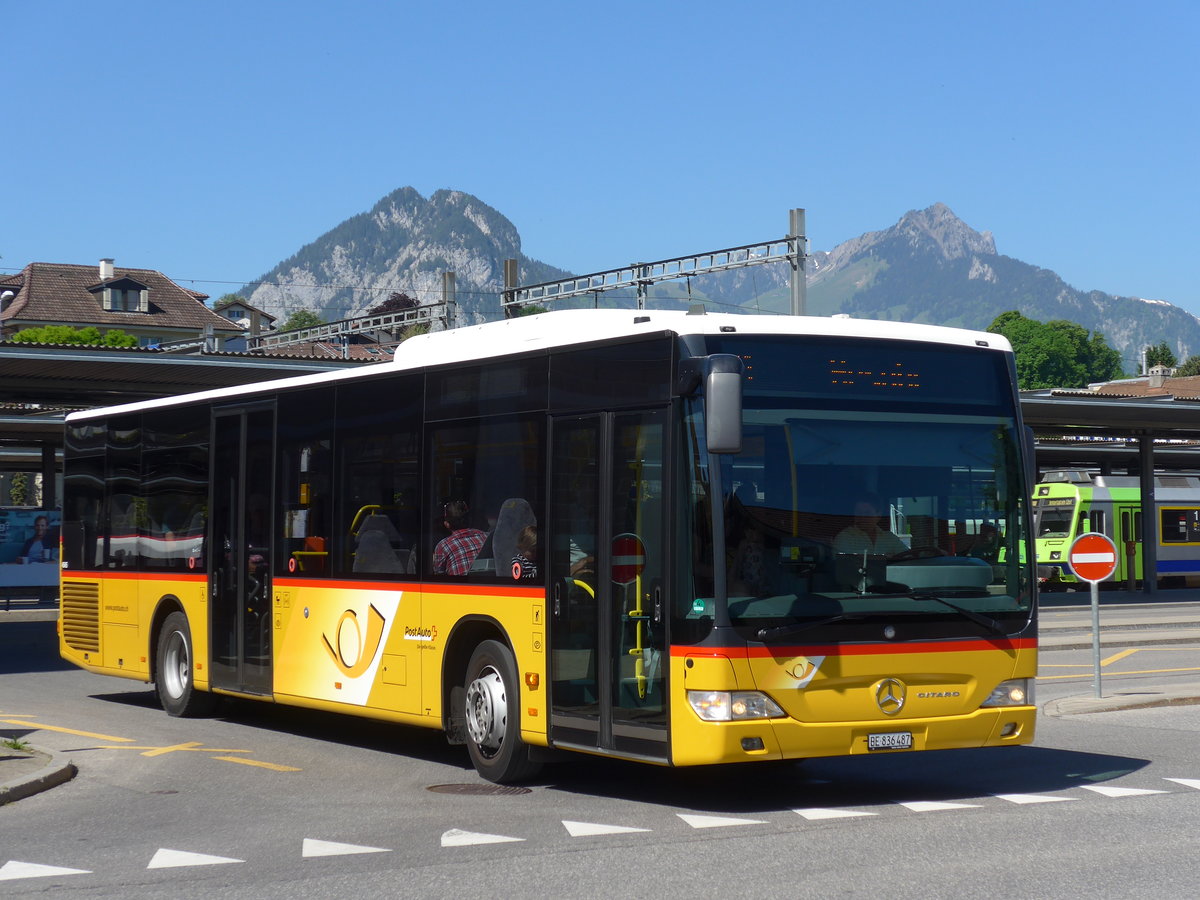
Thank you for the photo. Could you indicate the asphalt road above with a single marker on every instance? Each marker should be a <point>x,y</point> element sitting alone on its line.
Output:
<point>271,802</point>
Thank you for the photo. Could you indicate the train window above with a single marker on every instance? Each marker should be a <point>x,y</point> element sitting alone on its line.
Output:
<point>1180,525</point>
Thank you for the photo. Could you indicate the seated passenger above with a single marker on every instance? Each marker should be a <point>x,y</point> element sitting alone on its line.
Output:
<point>455,552</point>
<point>866,534</point>
<point>524,561</point>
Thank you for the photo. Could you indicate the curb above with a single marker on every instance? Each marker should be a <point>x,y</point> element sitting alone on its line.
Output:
<point>58,770</point>
<point>1145,698</point>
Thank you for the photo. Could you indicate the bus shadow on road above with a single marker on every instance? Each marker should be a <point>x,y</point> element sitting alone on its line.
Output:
<point>332,728</point>
<point>943,776</point>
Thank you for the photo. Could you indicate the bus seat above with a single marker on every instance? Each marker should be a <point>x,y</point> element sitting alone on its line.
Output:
<point>515,515</point>
<point>375,554</point>
<point>381,523</point>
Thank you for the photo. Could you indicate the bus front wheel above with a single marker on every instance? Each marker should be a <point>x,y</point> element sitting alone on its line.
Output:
<point>493,716</point>
<point>174,671</point>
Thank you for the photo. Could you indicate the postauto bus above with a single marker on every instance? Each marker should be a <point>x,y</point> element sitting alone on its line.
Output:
<point>684,539</point>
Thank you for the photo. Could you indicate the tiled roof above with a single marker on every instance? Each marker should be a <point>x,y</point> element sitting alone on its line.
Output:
<point>1185,388</point>
<point>57,293</point>
<point>333,350</point>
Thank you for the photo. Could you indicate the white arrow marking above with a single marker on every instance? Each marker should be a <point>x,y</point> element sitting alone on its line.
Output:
<point>1031,798</point>
<point>817,813</point>
<point>12,870</point>
<point>456,837</point>
<point>716,821</point>
<point>1187,782</point>
<point>314,847</point>
<point>1118,791</point>
<point>937,806</point>
<point>171,859</point>
<point>587,829</point>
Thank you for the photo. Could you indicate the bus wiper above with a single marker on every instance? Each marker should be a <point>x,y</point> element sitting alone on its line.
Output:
<point>781,632</point>
<point>978,618</point>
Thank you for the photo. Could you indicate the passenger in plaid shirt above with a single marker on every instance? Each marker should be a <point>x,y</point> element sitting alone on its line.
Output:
<point>455,553</point>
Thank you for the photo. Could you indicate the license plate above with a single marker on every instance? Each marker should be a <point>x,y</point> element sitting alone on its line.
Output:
<point>893,740</point>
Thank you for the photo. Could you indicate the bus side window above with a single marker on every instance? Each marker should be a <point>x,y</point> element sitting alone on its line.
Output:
<point>378,485</point>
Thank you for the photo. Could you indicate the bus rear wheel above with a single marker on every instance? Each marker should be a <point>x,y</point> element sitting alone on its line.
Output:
<point>493,716</point>
<point>175,670</point>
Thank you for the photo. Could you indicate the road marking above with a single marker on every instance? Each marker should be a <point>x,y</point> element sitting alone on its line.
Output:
<point>274,767</point>
<point>40,727</point>
<point>314,847</point>
<point>591,829</point>
<point>937,806</point>
<point>1119,791</point>
<point>1031,798</point>
<point>172,859</point>
<point>1187,782</point>
<point>1133,672</point>
<point>193,746</point>
<point>815,814</point>
<point>12,870</point>
<point>716,821</point>
<point>1118,656</point>
<point>456,837</point>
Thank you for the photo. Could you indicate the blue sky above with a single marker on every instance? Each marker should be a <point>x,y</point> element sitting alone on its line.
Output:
<point>211,141</point>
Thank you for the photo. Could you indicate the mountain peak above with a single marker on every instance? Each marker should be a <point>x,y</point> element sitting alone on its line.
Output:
<point>950,234</point>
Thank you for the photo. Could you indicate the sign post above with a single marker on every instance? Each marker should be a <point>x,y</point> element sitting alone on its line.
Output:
<point>1093,558</point>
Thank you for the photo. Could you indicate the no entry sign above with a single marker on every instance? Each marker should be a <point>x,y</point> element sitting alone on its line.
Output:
<point>1093,557</point>
<point>628,558</point>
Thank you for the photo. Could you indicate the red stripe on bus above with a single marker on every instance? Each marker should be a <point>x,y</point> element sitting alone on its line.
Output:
<point>84,575</point>
<point>458,590</point>
<point>782,650</point>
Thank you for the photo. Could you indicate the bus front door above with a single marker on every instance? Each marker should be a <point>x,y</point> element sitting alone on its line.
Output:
<point>606,566</point>
<point>239,566</point>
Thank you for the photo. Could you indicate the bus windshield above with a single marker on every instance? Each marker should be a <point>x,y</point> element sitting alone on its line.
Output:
<point>874,507</point>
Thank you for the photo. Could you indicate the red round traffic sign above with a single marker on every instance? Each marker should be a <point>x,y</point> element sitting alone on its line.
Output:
<point>1093,557</point>
<point>628,558</point>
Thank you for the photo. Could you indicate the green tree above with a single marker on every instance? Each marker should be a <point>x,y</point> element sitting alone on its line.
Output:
<point>1160,355</point>
<point>1191,366</point>
<point>302,318</point>
<point>1056,353</point>
<point>65,334</point>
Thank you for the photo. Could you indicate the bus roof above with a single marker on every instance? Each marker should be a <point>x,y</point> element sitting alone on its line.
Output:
<point>562,328</point>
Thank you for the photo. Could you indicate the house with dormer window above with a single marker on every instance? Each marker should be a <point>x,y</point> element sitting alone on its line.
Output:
<point>140,302</point>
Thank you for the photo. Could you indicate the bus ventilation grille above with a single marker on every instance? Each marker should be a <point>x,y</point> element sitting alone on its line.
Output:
<point>81,615</point>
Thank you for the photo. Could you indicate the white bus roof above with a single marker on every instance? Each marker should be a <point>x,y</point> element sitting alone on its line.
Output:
<point>562,328</point>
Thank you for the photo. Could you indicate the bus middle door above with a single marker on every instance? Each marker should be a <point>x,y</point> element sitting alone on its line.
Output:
<point>240,619</point>
<point>607,565</point>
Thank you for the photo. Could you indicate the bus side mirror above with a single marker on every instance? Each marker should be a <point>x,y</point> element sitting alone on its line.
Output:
<point>723,403</point>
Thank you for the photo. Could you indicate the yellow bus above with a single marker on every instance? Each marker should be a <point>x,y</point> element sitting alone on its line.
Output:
<point>671,537</point>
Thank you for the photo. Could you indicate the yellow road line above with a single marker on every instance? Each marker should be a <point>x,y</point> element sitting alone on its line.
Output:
<point>193,746</point>
<point>1142,672</point>
<point>91,734</point>
<point>1116,656</point>
<point>274,767</point>
<point>1042,665</point>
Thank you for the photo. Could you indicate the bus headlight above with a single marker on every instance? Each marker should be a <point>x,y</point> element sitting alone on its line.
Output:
<point>1018,692</point>
<point>726,706</point>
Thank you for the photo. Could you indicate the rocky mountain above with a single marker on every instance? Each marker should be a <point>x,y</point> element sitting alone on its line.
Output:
<point>403,244</point>
<point>932,267</point>
<point>928,267</point>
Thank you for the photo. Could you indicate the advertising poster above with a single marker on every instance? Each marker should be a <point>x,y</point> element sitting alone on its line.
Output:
<point>29,547</point>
